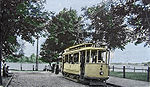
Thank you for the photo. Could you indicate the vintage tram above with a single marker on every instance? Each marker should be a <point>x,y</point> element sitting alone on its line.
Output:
<point>86,62</point>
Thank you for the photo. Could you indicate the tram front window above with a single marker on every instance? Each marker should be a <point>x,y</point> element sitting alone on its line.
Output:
<point>94,56</point>
<point>101,56</point>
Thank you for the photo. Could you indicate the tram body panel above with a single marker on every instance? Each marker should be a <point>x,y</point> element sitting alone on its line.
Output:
<point>96,70</point>
<point>72,68</point>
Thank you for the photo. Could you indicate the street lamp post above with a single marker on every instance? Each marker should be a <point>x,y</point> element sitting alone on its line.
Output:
<point>21,64</point>
<point>37,54</point>
<point>21,55</point>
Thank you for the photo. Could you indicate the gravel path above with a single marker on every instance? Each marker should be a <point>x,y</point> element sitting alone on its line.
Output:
<point>41,79</point>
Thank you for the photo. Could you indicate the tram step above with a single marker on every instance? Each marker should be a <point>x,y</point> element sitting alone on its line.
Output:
<point>75,80</point>
<point>97,83</point>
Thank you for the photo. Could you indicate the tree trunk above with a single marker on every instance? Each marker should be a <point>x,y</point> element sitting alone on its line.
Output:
<point>0,58</point>
<point>1,40</point>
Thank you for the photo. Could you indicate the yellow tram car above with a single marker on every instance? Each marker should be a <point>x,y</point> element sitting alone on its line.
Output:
<point>86,62</point>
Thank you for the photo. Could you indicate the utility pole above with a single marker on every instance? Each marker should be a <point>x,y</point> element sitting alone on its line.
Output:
<point>37,53</point>
<point>21,55</point>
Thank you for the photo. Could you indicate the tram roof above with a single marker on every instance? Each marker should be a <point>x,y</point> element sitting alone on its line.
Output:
<point>83,44</point>
<point>85,48</point>
<point>79,45</point>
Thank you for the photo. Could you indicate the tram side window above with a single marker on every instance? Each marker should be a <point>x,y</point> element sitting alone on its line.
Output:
<point>100,56</point>
<point>71,58</point>
<point>66,58</point>
<point>88,56</point>
<point>94,56</point>
<point>76,58</point>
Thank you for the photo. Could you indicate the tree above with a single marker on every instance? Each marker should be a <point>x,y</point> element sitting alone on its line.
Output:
<point>64,30</point>
<point>138,19</point>
<point>120,22</point>
<point>107,27</point>
<point>19,18</point>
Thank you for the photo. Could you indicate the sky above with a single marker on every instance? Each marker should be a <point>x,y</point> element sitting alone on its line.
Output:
<point>132,53</point>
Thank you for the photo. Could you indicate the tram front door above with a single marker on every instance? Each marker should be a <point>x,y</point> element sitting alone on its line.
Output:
<point>82,66</point>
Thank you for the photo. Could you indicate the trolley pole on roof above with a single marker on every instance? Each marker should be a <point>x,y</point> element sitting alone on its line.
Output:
<point>36,67</point>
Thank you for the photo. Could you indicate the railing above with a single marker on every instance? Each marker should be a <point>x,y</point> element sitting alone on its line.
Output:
<point>124,69</point>
<point>134,69</point>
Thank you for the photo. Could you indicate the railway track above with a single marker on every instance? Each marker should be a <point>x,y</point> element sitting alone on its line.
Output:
<point>94,85</point>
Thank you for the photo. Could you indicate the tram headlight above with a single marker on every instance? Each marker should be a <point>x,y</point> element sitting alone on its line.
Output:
<point>101,73</point>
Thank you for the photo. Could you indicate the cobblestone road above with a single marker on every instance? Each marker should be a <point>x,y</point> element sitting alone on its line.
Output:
<point>41,79</point>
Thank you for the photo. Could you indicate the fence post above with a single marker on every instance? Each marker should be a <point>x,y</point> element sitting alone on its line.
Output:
<point>123,71</point>
<point>113,68</point>
<point>148,74</point>
<point>134,69</point>
<point>33,67</point>
<point>21,67</point>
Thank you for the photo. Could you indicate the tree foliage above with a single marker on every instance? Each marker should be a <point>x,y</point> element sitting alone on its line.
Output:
<point>138,19</point>
<point>120,22</point>
<point>23,59</point>
<point>64,30</point>
<point>20,18</point>
<point>107,27</point>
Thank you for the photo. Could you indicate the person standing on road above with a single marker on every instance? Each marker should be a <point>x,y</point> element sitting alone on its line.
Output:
<point>4,67</point>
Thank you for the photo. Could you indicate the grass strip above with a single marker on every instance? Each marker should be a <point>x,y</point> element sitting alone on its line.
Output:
<point>131,75</point>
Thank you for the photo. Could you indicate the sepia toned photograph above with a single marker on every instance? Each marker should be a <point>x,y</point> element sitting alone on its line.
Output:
<point>75,43</point>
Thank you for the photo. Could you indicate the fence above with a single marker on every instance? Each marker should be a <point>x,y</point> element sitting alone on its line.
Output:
<point>26,66</point>
<point>124,69</point>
